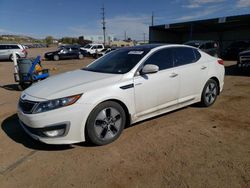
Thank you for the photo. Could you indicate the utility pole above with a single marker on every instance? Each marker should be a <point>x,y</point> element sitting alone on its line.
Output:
<point>152,19</point>
<point>144,37</point>
<point>103,25</point>
<point>125,35</point>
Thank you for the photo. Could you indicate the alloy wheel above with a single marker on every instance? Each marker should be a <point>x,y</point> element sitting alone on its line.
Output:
<point>210,93</point>
<point>107,124</point>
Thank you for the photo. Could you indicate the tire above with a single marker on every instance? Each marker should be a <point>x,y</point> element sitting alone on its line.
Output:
<point>80,56</point>
<point>11,57</point>
<point>209,93</point>
<point>56,57</point>
<point>105,123</point>
<point>23,86</point>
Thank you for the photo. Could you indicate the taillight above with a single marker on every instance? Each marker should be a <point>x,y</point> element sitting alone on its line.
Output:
<point>24,51</point>
<point>220,61</point>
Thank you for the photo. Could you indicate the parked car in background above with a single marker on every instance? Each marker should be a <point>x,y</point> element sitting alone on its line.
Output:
<point>6,51</point>
<point>67,52</point>
<point>93,48</point>
<point>233,50</point>
<point>244,59</point>
<point>103,52</point>
<point>123,87</point>
<point>210,47</point>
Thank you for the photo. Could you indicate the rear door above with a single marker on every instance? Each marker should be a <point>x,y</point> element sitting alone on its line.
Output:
<point>3,52</point>
<point>192,71</point>
<point>157,90</point>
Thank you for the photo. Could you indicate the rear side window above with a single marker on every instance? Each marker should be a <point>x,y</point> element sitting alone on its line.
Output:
<point>13,47</point>
<point>184,56</point>
<point>162,58</point>
<point>197,54</point>
<point>2,47</point>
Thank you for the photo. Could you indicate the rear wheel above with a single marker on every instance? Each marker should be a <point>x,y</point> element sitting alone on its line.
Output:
<point>11,58</point>
<point>105,123</point>
<point>56,57</point>
<point>209,93</point>
<point>80,56</point>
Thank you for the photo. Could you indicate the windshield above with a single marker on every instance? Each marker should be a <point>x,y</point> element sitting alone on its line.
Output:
<point>117,62</point>
<point>87,46</point>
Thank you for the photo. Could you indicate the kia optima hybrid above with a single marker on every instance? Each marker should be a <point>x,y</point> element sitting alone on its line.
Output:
<point>125,86</point>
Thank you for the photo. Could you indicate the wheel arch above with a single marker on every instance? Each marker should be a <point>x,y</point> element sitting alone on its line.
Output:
<point>217,81</point>
<point>122,104</point>
<point>17,55</point>
<point>125,108</point>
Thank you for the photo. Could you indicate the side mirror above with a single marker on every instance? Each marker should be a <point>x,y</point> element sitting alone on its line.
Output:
<point>149,68</point>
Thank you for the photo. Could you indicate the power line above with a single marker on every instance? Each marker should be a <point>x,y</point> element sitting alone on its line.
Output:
<point>103,24</point>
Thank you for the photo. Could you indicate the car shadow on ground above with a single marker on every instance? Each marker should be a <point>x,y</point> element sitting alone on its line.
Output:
<point>13,129</point>
<point>11,87</point>
<point>233,70</point>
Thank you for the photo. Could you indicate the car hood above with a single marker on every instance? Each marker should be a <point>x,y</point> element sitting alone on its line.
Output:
<point>246,52</point>
<point>71,83</point>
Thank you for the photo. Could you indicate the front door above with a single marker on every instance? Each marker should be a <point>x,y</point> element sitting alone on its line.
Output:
<point>158,90</point>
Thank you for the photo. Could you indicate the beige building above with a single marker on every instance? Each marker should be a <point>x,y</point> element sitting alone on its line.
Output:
<point>121,43</point>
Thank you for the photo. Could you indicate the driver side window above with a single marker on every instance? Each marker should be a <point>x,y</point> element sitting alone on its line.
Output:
<point>162,58</point>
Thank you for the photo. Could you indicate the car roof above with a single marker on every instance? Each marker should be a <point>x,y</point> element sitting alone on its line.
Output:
<point>145,47</point>
<point>10,44</point>
<point>199,41</point>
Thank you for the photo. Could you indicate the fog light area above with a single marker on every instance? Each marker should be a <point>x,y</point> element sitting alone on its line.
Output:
<point>54,133</point>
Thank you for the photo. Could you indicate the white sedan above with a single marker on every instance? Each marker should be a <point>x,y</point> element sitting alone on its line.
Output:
<point>123,87</point>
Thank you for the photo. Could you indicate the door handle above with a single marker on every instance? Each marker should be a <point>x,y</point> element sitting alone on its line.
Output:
<point>203,67</point>
<point>172,75</point>
<point>137,84</point>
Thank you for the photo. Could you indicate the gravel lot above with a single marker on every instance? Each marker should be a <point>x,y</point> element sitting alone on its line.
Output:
<point>191,147</point>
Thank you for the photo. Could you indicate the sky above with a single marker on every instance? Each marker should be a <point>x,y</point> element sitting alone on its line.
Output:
<point>73,18</point>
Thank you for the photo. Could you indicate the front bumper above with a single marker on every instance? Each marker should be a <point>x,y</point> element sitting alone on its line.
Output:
<point>74,118</point>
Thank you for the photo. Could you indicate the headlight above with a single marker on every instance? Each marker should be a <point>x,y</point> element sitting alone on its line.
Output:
<point>56,103</point>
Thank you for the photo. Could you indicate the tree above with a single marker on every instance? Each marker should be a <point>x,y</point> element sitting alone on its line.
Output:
<point>49,40</point>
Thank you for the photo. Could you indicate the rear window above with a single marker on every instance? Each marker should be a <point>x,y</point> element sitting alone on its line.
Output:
<point>210,45</point>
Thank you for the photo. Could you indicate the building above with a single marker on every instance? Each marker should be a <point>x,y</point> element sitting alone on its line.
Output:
<point>224,30</point>
<point>121,43</point>
<point>99,38</point>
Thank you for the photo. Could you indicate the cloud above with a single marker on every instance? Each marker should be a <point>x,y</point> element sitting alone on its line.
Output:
<point>134,26</point>
<point>3,31</point>
<point>199,14</point>
<point>199,3</point>
<point>8,32</point>
<point>84,30</point>
<point>243,3</point>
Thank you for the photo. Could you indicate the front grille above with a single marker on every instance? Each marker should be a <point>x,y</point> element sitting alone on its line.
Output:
<point>26,106</point>
<point>244,59</point>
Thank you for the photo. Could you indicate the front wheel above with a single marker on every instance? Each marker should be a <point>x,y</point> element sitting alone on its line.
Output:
<point>56,57</point>
<point>105,123</point>
<point>209,93</point>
